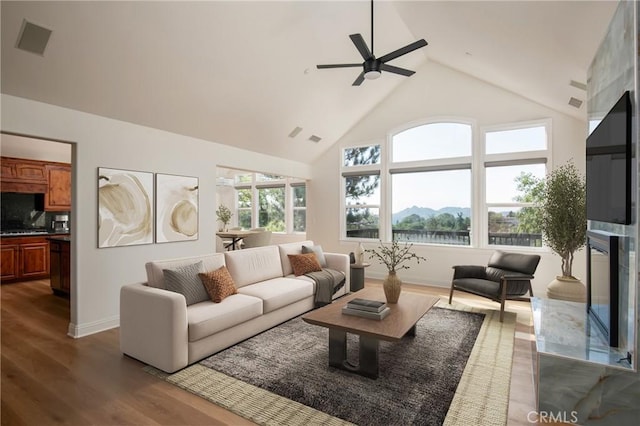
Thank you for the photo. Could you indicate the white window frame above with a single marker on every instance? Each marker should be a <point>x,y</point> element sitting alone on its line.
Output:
<point>286,182</point>
<point>366,169</point>
<point>450,163</point>
<point>508,159</point>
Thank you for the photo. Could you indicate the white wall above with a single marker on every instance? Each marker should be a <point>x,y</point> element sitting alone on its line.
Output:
<point>438,91</point>
<point>98,274</point>
<point>34,149</point>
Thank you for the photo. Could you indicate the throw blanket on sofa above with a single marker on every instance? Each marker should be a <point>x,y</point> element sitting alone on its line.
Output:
<point>328,281</point>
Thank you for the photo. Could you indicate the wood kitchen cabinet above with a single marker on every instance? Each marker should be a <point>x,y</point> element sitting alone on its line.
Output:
<point>60,255</point>
<point>9,256</point>
<point>24,258</point>
<point>58,195</point>
<point>19,175</point>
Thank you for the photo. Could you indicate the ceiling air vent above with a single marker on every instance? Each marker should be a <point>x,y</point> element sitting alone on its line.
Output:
<point>33,38</point>
<point>314,138</point>
<point>295,132</point>
<point>578,85</point>
<point>575,102</point>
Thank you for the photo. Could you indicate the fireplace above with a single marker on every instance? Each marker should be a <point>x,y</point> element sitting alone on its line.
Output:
<point>603,291</point>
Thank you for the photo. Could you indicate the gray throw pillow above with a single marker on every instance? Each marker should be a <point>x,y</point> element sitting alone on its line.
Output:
<point>319,254</point>
<point>185,280</point>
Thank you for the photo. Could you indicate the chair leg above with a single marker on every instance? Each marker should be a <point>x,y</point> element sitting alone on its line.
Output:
<point>530,289</point>
<point>503,298</point>
<point>451,293</point>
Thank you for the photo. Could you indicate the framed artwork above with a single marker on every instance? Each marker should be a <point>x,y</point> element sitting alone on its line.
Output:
<point>176,208</point>
<point>125,207</point>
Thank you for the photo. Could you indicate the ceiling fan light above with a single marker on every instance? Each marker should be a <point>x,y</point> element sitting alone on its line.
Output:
<point>372,75</point>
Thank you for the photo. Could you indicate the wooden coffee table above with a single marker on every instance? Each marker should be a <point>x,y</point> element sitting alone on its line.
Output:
<point>400,322</point>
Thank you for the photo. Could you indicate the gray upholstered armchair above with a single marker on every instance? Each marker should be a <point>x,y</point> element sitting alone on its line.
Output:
<point>507,276</point>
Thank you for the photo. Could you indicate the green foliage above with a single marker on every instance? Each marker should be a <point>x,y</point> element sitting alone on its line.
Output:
<point>271,209</point>
<point>531,189</point>
<point>394,256</point>
<point>441,222</point>
<point>563,213</point>
<point>224,214</point>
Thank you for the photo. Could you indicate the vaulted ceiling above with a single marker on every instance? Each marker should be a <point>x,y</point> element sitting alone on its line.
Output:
<point>243,73</point>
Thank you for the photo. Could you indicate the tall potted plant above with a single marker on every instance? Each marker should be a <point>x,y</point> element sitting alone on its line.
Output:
<point>394,258</point>
<point>563,221</point>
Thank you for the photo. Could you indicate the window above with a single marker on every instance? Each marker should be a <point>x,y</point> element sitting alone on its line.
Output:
<point>431,184</point>
<point>361,189</point>
<point>271,209</point>
<point>432,141</point>
<point>418,219</point>
<point>244,207</point>
<point>515,165</point>
<point>276,203</point>
<point>445,183</point>
<point>299,207</point>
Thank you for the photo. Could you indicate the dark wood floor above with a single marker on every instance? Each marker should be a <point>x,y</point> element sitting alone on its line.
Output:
<point>49,378</point>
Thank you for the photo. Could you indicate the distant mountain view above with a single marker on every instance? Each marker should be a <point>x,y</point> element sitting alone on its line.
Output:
<point>426,212</point>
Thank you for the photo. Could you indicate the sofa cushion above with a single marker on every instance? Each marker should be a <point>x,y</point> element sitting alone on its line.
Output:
<point>219,284</point>
<point>290,248</point>
<point>253,265</point>
<point>155,276</point>
<point>304,263</point>
<point>279,292</point>
<point>207,318</point>
<point>319,254</point>
<point>184,280</point>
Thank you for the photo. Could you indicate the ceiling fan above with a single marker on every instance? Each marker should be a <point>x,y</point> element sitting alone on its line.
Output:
<point>372,67</point>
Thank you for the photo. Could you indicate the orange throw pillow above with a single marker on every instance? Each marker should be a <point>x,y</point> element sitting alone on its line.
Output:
<point>219,284</point>
<point>304,263</point>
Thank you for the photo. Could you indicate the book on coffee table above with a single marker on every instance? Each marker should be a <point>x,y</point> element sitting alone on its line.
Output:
<point>366,314</point>
<point>367,305</point>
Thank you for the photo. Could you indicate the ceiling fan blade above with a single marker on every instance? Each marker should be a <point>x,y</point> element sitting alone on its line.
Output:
<point>338,66</point>
<point>396,70</point>
<point>359,80</point>
<point>403,50</point>
<point>361,46</point>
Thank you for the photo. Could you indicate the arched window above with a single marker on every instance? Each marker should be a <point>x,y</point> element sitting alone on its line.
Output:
<point>430,172</point>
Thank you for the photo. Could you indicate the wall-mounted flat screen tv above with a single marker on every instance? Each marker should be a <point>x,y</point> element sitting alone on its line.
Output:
<point>609,166</point>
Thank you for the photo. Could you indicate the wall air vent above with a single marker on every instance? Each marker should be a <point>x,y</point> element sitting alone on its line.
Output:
<point>314,138</point>
<point>577,103</point>
<point>33,38</point>
<point>578,85</point>
<point>295,132</point>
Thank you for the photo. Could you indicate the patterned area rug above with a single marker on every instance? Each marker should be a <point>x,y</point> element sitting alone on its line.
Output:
<point>276,377</point>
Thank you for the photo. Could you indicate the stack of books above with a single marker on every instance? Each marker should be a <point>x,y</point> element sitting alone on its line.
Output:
<point>373,309</point>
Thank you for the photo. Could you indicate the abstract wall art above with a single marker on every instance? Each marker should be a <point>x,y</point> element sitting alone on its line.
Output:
<point>176,208</point>
<point>125,207</point>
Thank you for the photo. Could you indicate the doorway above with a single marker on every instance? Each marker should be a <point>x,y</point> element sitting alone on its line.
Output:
<point>39,238</point>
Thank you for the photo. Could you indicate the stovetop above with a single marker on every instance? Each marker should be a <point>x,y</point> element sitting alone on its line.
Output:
<point>32,231</point>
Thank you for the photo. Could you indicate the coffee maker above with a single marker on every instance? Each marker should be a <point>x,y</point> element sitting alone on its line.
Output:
<point>60,223</point>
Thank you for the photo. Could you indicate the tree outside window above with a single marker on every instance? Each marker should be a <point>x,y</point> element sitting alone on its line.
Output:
<point>362,192</point>
<point>271,209</point>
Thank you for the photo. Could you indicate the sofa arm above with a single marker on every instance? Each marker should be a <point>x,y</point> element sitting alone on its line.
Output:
<point>153,326</point>
<point>340,262</point>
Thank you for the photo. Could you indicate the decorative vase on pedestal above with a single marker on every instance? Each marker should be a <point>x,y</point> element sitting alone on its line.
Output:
<point>567,288</point>
<point>392,287</point>
<point>360,254</point>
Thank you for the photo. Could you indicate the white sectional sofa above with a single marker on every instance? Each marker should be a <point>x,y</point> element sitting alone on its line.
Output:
<point>158,328</point>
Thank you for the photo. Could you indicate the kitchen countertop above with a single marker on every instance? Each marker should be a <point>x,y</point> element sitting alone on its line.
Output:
<point>63,238</point>
<point>34,234</point>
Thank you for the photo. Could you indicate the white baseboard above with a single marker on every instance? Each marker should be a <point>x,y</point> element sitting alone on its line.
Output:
<point>82,330</point>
